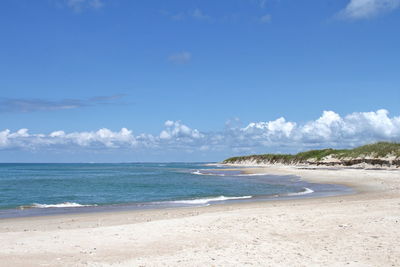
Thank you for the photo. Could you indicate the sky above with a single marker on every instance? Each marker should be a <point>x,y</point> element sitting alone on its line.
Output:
<point>156,80</point>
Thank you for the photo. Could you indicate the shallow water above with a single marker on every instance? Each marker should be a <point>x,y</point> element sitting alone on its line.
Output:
<point>38,189</point>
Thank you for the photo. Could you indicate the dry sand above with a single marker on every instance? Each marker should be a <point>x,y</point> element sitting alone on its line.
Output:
<point>362,229</point>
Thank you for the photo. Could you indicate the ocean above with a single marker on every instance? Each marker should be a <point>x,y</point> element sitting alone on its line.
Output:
<point>44,189</point>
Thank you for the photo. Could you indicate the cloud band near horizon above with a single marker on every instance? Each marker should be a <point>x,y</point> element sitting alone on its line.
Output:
<point>329,130</point>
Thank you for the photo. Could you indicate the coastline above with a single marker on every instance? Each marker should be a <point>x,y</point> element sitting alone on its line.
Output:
<point>278,187</point>
<point>346,176</point>
<point>359,229</point>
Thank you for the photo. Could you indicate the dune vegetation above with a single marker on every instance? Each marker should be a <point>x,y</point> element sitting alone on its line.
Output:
<point>381,153</point>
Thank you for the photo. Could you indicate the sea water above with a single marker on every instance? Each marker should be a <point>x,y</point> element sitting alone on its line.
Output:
<point>39,189</point>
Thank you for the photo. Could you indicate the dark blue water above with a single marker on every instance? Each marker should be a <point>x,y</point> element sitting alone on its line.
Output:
<point>75,185</point>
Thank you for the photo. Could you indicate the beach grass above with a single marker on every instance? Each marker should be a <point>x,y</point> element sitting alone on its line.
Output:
<point>376,150</point>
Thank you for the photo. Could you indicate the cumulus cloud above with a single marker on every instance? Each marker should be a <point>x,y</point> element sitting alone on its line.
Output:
<point>329,130</point>
<point>178,131</point>
<point>31,105</point>
<point>364,9</point>
<point>101,138</point>
<point>175,134</point>
<point>180,58</point>
<point>277,128</point>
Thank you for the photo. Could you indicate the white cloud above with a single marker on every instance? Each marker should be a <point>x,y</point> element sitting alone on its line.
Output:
<point>329,130</point>
<point>169,123</point>
<point>376,125</point>
<point>165,135</point>
<point>177,130</point>
<point>175,134</point>
<point>364,9</point>
<point>323,128</point>
<point>103,137</point>
<point>57,134</point>
<point>4,138</point>
<point>180,58</point>
<point>277,128</point>
<point>20,133</point>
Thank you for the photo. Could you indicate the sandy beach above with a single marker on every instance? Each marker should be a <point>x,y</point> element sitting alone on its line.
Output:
<point>362,229</point>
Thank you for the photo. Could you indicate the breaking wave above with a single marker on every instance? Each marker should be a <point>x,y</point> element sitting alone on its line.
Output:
<point>208,200</point>
<point>209,173</point>
<point>305,191</point>
<point>59,205</point>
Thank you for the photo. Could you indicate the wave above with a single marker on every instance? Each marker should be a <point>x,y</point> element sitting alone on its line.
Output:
<point>59,205</point>
<point>208,200</point>
<point>218,173</point>
<point>210,173</point>
<point>215,165</point>
<point>305,191</point>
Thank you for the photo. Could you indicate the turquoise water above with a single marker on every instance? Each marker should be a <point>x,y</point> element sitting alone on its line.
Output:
<point>38,186</point>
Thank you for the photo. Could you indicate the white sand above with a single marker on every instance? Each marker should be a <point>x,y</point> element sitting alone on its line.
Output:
<point>357,230</point>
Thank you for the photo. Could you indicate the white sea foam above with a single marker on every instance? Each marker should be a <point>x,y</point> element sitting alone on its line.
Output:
<point>304,192</point>
<point>208,200</point>
<point>214,164</point>
<point>216,173</point>
<point>209,173</point>
<point>59,205</point>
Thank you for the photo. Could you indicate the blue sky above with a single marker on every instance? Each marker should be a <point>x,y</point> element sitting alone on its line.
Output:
<point>195,80</point>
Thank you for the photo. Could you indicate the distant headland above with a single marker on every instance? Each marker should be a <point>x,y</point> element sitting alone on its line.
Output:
<point>377,155</point>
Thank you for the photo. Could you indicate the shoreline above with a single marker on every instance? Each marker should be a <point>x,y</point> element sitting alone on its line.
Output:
<point>191,234</point>
<point>307,190</point>
<point>325,175</point>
